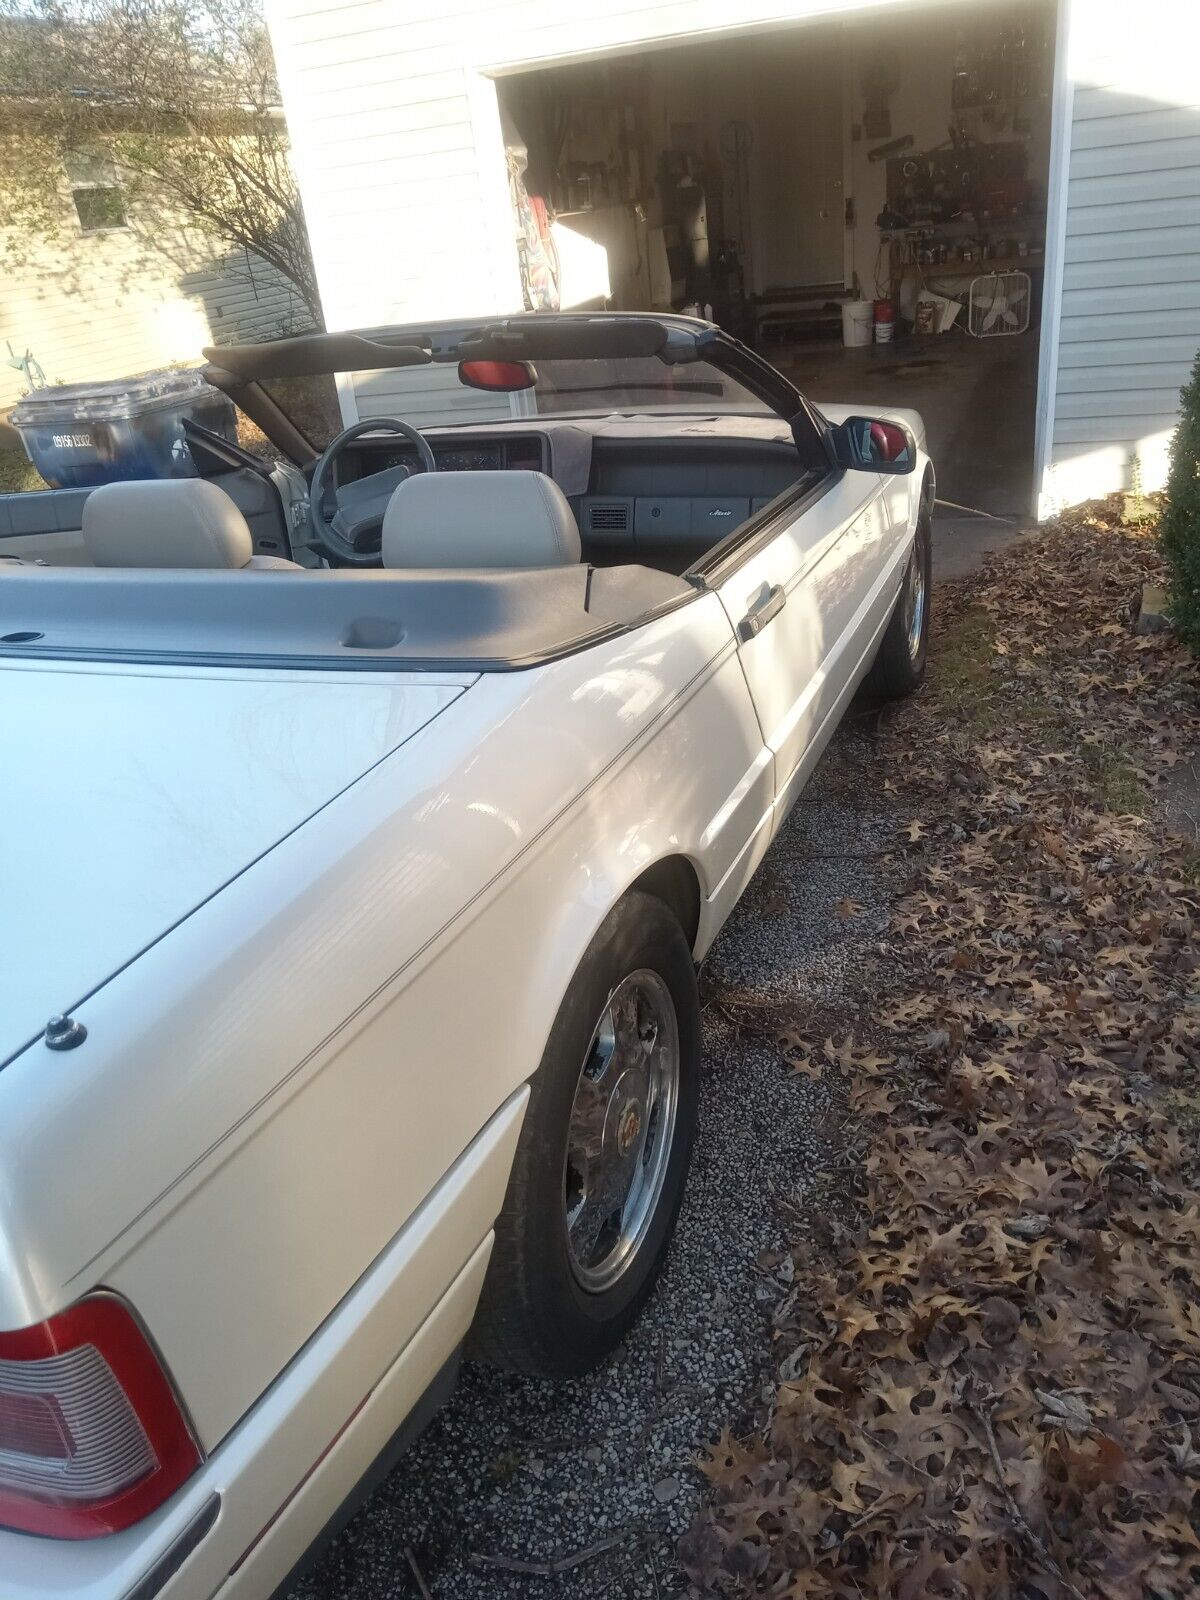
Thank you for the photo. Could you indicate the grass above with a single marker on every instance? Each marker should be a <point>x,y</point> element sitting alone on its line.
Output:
<point>981,703</point>
<point>962,659</point>
<point>1114,774</point>
<point>18,474</point>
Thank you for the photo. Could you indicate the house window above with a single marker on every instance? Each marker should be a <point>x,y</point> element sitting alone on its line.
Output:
<point>96,191</point>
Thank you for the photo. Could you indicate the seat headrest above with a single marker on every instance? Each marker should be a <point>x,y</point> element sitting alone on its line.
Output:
<point>480,519</point>
<point>167,522</point>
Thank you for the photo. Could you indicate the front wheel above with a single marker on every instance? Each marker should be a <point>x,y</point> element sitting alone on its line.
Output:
<point>899,663</point>
<point>604,1152</point>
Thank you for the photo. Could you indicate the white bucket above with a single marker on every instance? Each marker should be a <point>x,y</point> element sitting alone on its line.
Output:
<point>884,332</point>
<point>858,317</point>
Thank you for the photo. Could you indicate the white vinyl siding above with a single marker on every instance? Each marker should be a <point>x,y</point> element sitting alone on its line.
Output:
<point>109,305</point>
<point>244,299</point>
<point>1130,301</point>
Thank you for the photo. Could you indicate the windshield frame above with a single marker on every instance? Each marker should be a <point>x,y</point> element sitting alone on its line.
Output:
<point>677,341</point>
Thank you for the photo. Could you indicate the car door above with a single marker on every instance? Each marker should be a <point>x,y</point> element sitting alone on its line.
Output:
<point>45,525</point>
<point>805,603</point>
<point>809,592</point>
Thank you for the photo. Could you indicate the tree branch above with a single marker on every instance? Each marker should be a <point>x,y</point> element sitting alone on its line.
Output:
<point>182,95</point>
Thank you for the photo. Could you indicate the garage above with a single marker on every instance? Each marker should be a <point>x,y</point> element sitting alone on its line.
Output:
<point>863,202</point>
<point>780,161</point>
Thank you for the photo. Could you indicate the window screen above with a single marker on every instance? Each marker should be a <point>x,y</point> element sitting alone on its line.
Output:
<point>96,191</point>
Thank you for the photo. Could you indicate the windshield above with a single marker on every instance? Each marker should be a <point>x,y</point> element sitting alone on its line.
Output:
<point>433,396</point>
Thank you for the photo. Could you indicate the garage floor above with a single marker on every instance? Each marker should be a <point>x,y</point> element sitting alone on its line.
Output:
<point>977,397</point>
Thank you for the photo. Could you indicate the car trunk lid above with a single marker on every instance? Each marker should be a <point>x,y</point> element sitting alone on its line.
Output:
<point>133,794</point>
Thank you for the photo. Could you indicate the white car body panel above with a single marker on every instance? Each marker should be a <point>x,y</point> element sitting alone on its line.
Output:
<point>348,1385</point>
<point>230,1000</point>
<point>189,776</point>
<point>364,898</point>
<point>819,564</point>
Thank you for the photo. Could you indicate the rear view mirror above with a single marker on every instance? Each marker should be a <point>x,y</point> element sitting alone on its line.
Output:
<point>497,377</point>
<point>871,444</point>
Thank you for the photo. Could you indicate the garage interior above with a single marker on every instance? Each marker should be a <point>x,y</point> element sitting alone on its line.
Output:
<point>863,201</point>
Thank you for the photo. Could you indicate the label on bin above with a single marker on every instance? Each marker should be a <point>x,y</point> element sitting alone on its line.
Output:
<point>73,441</point>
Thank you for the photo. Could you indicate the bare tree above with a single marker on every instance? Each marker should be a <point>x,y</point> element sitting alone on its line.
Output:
<point>180,95</point>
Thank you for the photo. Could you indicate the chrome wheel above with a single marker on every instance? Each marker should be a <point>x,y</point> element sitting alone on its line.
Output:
<point>621,1128</point>
<point>914,599</point>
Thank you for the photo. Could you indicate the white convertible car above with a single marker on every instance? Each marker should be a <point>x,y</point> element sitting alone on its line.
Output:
<point>365,817</point>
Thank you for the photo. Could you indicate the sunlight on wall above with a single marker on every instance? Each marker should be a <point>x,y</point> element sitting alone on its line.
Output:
<point>1154,60</point>
<point>1082,473</point>
<point>181,327</point>
<point>93,307</point>
<point>583,267</point>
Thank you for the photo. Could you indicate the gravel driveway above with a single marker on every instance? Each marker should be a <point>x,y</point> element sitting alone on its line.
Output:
<point>529,1471</point>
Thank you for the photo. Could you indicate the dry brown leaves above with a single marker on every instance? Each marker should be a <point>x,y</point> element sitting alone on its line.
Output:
<point>988,1371</point>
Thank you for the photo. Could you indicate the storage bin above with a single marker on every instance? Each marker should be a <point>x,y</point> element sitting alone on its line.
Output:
<point>79,435</point>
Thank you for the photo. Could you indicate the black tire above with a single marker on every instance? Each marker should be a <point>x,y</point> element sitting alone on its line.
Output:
<point>534,1315</point>
<point>899,663</point>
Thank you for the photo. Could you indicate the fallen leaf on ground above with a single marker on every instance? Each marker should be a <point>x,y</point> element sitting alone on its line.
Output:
<point>1017,1235</point>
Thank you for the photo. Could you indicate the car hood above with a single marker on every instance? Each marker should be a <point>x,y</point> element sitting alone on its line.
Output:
<point>132,795</point>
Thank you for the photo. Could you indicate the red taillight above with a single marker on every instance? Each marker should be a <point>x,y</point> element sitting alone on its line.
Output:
<point>92,1437</point>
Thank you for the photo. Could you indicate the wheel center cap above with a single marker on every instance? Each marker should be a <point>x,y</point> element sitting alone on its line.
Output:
<point>628,1127</point>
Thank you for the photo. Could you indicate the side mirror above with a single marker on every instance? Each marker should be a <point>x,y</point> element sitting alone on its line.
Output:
<point>869,444</point>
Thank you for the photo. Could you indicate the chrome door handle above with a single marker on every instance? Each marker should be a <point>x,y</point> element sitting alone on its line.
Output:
<point>767,605</point>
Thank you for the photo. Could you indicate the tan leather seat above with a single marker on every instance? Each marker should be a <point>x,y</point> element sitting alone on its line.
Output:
<point>171,522</point>
<point>480,519</point>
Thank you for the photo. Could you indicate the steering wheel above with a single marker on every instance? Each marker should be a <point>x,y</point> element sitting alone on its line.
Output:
<point>348,531</point>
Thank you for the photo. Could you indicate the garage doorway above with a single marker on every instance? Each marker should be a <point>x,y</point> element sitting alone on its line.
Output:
<point>877,179</point>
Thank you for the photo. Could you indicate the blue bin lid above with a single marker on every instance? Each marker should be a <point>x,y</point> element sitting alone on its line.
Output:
<point>113,400</point>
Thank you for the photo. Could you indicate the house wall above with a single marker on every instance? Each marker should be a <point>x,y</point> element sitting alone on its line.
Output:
<point>108,305</point>
<point>1129,315</point>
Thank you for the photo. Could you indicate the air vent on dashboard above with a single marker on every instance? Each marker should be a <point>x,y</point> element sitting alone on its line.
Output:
<point>609,516</point>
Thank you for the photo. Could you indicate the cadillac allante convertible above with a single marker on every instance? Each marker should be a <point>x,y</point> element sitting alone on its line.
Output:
<point>367,810</point>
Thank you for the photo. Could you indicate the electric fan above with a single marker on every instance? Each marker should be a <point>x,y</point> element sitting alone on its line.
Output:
<point>999,303</point>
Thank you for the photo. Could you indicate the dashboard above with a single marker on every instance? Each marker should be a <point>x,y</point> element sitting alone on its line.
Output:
<point>659,498</point>
<point>524,452</point>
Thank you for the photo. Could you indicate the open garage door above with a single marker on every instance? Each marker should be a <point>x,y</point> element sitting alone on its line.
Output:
<point>861,201</point>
